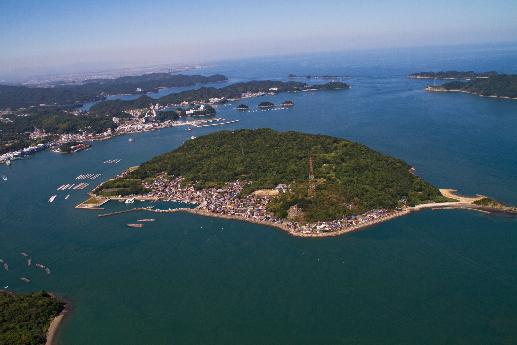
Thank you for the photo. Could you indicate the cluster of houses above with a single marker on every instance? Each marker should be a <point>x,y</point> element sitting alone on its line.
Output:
<point>228,201</point>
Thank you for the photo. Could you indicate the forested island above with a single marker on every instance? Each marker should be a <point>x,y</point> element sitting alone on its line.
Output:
<point>497,86</point>
<point>305,184</point>
<point>452,75</point>
<point>487,84</point>
<point>18,96</point>
<point>25,318</point>
<point>205,94</point>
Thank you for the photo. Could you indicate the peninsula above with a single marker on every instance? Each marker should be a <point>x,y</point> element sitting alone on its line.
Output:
<point>307,185</point>
<point>489,84</point>
<point>216,95</point>
<point>29,319</point>
<point>28,130</point>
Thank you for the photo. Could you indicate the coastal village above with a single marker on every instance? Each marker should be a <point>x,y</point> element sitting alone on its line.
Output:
<point>227,202</point>
<point>141,120</point>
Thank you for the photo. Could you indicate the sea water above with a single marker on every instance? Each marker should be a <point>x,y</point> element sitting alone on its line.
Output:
<point>432,277</point>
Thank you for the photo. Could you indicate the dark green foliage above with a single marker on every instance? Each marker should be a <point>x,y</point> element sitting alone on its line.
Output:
<point>350,177</point>
<point>122,187</point>
<point>67,147</point>
<point>500,85</point>
<point>14,135</point>
<point>166,115</point>
<point>205,93</point>
<point>95,89</point>
<point>333,85</point>
<point>24,319</point>
<point>266,105</point>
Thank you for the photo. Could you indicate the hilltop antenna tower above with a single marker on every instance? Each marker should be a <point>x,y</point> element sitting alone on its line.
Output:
<point>312,182</point>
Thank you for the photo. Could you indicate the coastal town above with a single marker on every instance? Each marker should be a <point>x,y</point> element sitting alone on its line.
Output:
<point>190,114</point>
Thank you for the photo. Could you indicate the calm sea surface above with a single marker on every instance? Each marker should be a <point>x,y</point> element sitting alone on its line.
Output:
<point>436,277</point>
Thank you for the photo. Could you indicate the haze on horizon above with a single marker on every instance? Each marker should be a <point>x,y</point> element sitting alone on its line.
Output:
<point>69,36</point>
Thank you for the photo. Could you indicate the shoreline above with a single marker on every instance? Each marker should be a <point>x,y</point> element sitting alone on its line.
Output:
<point>342,231</point>
<point>284,227</point>
<point>297,229</point>
<point>54,327</point>
<point>438,89</point>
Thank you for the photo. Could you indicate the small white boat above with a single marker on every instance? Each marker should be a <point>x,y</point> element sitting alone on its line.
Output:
<point>193,137</point>
<point>129,201</point>
<point>67,196</point>
<point>4,177</point>
<point>52,198</point>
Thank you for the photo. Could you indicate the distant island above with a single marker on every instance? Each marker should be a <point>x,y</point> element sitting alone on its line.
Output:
<point>489,84</point>
<point>28,130</point>
<point>29,319</point>
<point>19,96</point>
<point>211,94</point>
<point>308,185</point>
<point>266,105</point>
<point>452,75</point>
<point>325,76</point>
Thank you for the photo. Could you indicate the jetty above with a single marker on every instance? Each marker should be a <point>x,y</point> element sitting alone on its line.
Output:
<point>122,212</point>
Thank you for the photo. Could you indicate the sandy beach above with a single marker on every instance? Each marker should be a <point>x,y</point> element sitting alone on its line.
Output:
<point>54,327</point>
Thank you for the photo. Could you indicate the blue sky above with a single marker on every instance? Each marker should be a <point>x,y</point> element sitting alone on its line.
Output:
<point>38,35</point>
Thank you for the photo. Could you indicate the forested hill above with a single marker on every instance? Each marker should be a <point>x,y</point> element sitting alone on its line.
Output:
<point>234,91</point>
<point>24,319</point>
<point>23,96</point>
<point>350,178</point>
<point>500,85</point>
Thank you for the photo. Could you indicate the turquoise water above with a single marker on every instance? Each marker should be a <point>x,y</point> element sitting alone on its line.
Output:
<point>433,277</point>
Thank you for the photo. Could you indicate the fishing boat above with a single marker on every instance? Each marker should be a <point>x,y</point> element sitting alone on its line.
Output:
<point>52,198</point>
<point>26,280</point>
<point>24,254</point>
<point>67,196</point>
<point>4,177</point>
<point>133,225</point>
